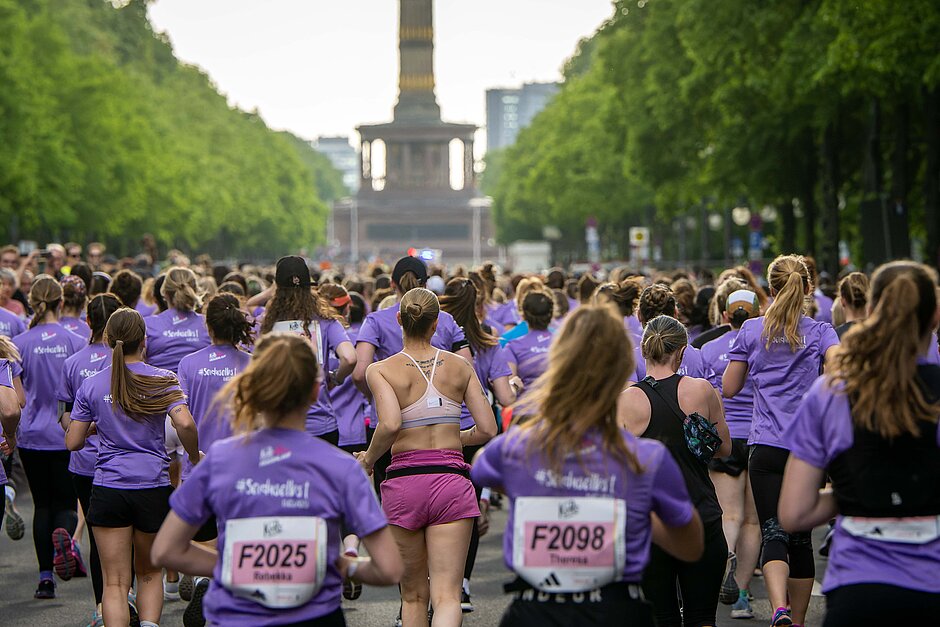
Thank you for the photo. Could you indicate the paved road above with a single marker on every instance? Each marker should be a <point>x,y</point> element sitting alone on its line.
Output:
<point>376,607</point>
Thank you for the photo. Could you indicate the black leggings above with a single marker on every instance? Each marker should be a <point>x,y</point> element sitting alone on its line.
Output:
<point>82,486</point>
<point>50,483</point>
<point>880,604</point>
<point>765,468</point>
<point>698,582</point>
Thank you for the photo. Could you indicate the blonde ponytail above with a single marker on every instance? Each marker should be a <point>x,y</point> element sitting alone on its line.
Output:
<point>789,279</point>
<point>180,289</point>
<point>44,296</point>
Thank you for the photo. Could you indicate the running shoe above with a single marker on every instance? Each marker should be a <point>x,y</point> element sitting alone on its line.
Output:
<point>82,571</point>
<point>742,607</point>
<point>352,590</point>
<point>46,590</point>
<point>782,618</point>
<point>66,561</point>
<point>97,620</point>
<point>729,587</point>
<point>171,590</point>
<point>186,587</point>
<point>466,605</point>
<point>12,520</point>
<point>192,616</point>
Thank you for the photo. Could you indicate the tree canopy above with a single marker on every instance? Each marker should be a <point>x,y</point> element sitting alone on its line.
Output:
<point>105,135</point>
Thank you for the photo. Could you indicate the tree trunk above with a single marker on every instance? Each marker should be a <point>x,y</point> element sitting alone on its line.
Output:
<point>932,174</point>
<point>897,203</point>
<point>829,253</point>
<point>787,226</point>
<point>808,194</point>
<point>876,237</point>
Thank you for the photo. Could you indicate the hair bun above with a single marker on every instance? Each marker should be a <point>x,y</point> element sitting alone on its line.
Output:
<point>415,310</point>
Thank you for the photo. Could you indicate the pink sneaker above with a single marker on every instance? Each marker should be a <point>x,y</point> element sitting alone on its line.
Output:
<point>66,561</point>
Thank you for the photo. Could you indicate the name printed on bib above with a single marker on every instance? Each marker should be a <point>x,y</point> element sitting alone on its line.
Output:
<point>916,530</point>
<point>278,562</point>
<point>569,544</point>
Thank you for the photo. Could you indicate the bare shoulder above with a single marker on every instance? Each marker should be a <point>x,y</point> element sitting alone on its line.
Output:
<point>697,388</point>
<point>634,401</point>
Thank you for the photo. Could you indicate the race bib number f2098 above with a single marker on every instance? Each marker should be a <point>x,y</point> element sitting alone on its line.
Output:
<point>278,562</point>
<point>569,544</point>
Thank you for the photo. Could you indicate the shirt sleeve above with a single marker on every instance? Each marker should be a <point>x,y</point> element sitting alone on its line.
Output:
<point>740,348</point>
<point>6,373</point>
<point>487,470</point>
<point>172,388</point>
<point>369,332</point>
<point>183,376</point>
<point>828,339</point>
<point>190,501</point>
<point>16,368</point>
<point>499,365</point>
<point>336,335</point>
<point>361,510</point>
<point>670,497</point>
<point>82,409</point>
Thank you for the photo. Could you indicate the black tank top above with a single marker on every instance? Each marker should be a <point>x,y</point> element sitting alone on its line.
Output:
<point>666,427</point>
<point>880,478</point>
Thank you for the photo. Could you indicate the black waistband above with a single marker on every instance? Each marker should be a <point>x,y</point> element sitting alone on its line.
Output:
<point>426,470</point>
<point>624,589</point>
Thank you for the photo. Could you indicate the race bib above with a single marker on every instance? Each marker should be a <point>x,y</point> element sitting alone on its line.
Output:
<point>278,562</point>
<point>569,544</point>
<point>919,530</point>
<point>297,327</point>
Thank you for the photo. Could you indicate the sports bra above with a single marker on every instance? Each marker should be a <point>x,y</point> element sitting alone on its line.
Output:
<point>433,408</point>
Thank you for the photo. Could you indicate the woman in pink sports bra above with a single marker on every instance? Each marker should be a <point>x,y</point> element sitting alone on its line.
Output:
<point>427,495</point>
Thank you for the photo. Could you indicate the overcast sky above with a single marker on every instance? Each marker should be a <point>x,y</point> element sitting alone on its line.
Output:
<point>320,67</point>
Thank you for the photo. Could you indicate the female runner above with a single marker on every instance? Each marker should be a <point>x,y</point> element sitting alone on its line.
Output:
<point>278,498</point>
<point>729,474</point>
<point>528,355</point>
<point>179,330</point>
<point>295,308</point>
<point>130,492</point>
<point>781,353</point>
<point>427,495</point>
<point>658,300</point>
<point>462,300</point>
<point>871,425</point>
<point>127,285</point>
<point>853,296</point>
<point>44,349</point>
<point>74,300</point>
<point>655,408</point>
<point>579,545</point>
<point>83,364</point>
<point>10,409</point>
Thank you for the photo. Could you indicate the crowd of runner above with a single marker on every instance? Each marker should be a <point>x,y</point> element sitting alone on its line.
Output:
<point>262,441</point>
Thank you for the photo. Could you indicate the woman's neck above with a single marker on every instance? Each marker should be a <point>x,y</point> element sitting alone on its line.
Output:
<point>660,371</point>
<point>50,318</point>
<point>851,315</point>
<point>295,420</point>
<point>216,342</point>
<point>133,358</point>
<point>71,313</point>
<point>417,345</point>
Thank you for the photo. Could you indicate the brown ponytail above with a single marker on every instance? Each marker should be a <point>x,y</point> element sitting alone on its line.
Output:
<point>624,295</point>
<point>460,300</point>
<point>789,281</point>
<point>180,289</point>
<point>853,289</point>
<point>227,322</point>
<point>45,296</point>
<point>656,300</point>
<point>877,360</point>
<point>663,336</point>
<point>139,396</point>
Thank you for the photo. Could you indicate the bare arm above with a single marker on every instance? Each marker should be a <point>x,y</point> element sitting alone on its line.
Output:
<point>685,543</point>
<point>347,361</point>
<point>633,411</point>
<point>76,434</point>
<point>803,505</point>
<point>827,360</point>
<point>733,380</point>
<point>484,422</point>
<point>172,548</point>
<point>261,298</point>
<point>388,412</point>
<point>365,353</point>
<point>465,353</point>
<point>9,410</point>
<point>503,391</point>
<point>716,415</point>
<point>186,429</point>
<point>20,392</point>
<point>383,567</point>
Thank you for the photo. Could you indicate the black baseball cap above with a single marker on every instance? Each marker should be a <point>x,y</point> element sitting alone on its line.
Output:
<point>409,264</point>
<point>292,271</point>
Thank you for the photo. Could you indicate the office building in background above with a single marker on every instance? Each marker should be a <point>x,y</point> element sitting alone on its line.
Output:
<point>343,157</point>
<point>510,110</point>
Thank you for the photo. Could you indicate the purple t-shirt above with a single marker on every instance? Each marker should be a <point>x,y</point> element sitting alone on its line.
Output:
<point>144,309</point>
<point>83,364</point>
<point>821,430</point>
<point>172,335</point>
<point>381,330</point>
<point>76,326</point>
<point>11,325</point>
<point>632,324</point>
<point>6,380</point>
<point>693,364</point>
<point>349,405</point>
<point>507,463</point>
<point>506,315</point>
<point>824,307</point>
<point>740,409</point>
<point>131,453</point>
<point>489,364</point>
<point>530,355</point>
<point>43,349</point>
<point>201,376</point>
<point>320,418</point>
<point>780,376</point>
<point>278,473</point>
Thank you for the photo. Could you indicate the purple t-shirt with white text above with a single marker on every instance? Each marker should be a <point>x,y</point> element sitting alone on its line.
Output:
<point>172,335</point>
<point>201,376</point>
<point>76,326</point>
<point>530,355</point>
<point>11,325</point>
<point>740,409</point>
<point>43,350</point>
<point>508,463</point>
<point>131,452</point>
<point>83,364</point>
<point>506,315</point>
<point>780,376</point>
<point>349,405</point>
<point>144,309</point>
<point>278,473</point>
<point>381,330</point>
<point>822,430</point>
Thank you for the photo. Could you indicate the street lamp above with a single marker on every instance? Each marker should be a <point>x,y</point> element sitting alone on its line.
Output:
<point>741,215</point>
<point>477,205</point>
